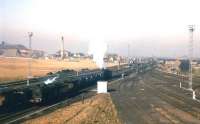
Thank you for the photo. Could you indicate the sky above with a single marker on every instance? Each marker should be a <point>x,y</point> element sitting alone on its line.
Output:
<point>151,27</point>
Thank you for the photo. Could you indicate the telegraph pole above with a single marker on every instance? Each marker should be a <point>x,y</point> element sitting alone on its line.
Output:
<point>191,30</point>
<point>30,34</point>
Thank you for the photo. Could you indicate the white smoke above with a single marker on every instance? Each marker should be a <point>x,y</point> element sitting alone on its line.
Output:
<point>49,81</point>
<point>98,48</point>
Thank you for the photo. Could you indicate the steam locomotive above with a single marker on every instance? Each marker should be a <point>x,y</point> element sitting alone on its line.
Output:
<point>55,85</point>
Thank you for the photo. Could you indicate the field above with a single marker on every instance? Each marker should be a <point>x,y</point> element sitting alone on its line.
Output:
<point>17,68</point>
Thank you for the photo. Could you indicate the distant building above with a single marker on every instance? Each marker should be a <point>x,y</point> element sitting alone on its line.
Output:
<point>17,50</point>
<point>65,55</point>
<point>111,58</point>
<point>10,52</point>
<point>171,65</point>
<point>5,45</point>
<point>79,55</point>
<point>38,54</point>
<point>24,53</point>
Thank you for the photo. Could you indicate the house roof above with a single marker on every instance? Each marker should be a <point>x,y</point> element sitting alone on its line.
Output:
<point>5,45</point>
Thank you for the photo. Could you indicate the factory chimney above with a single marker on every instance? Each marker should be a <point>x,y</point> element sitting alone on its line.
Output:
<point>62,48</point>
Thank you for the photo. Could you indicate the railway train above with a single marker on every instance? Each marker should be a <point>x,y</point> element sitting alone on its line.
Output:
<point>59,84</point>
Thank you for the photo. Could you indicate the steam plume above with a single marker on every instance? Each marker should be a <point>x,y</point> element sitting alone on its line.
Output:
<point>98,48</point>
<point>49,81</point>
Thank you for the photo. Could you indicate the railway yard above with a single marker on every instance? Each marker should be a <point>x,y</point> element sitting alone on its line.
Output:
<point>151,97</point>
<point>20,101</point>
<point>154,98</point>
<point>99,62</point>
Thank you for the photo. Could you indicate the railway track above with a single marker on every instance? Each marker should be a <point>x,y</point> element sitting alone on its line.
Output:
<point>175,77</point>
<point>153,99</point>
<point>11,118</point>
<point>20,82</point>
<point>32,81</point>
<point>177,99</point>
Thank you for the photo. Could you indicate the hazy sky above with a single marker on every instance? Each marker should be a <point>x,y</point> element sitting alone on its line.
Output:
<point>151,27</point>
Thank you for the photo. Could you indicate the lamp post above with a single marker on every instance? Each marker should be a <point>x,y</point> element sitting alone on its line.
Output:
<point>62,48</point>
<point>30,34</point>
<point>191,30</point>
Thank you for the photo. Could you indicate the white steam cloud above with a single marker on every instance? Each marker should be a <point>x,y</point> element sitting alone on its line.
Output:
<point>98,50</point>
<point>50,80</point>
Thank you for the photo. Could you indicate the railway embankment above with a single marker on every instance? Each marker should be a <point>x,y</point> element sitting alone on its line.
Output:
<point>98,109</point>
